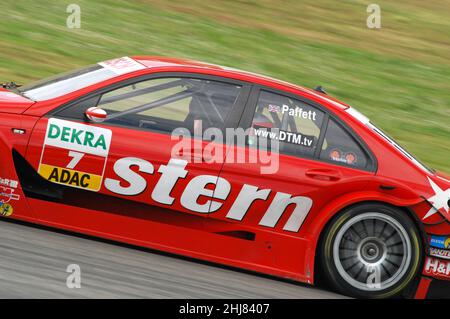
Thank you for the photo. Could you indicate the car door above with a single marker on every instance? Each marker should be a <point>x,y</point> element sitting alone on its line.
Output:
<point>129,172</point>
<point>297,158</point>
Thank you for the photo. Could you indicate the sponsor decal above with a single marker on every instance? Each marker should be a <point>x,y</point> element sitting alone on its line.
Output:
<point>440,242</point>
<point>6,210</point>
<point>347,158</point>
<point>7,194</point>
<point>122,65</point>
<point>299,112</point>
<point>441,253</point>
<point>287,137</point>
<point>9,182</point>
<point>75,154</point>
<point>200,186</point>
<point>437,268</point>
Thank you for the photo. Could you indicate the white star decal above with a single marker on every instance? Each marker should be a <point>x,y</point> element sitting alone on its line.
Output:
<point>439,200</point>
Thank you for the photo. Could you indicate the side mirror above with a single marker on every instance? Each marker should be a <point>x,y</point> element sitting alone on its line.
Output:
<point>96,114</point>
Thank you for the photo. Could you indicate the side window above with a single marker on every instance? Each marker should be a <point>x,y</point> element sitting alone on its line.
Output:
<point>341,147</point>
<point>294,124</point>
<point>164,104</point>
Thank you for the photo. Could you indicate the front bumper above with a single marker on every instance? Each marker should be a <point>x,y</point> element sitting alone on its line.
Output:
<point>435,280</point>
<point>431,288</point>
<point>439,289</point>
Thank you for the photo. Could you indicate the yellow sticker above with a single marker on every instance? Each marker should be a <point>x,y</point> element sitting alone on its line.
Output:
<point>6,210</point>
<point>70,177</point>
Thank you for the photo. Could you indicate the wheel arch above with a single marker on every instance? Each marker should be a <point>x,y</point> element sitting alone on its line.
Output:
<point>329,215</point>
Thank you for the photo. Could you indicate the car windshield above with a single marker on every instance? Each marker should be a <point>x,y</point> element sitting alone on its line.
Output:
<point>356,114</point>
<point>65,83</point>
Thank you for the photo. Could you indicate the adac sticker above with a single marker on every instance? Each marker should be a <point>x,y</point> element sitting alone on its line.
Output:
<point>440,242</point>
<point>75,154</point>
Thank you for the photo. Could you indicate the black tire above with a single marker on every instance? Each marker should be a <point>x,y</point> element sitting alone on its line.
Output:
<point>385,266</point>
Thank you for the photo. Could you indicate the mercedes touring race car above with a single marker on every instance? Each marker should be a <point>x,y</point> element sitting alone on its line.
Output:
<point>226,166</point>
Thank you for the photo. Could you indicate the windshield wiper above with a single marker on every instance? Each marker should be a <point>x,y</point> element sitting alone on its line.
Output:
<point>10,85</point>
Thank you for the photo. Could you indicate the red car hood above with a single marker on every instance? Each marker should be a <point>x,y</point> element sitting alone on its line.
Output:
<point>11,102</point>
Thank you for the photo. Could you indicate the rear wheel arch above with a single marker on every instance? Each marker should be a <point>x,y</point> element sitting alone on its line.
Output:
<point>318,277</point>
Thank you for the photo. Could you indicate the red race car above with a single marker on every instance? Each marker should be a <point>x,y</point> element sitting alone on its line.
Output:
<point>226,166</point>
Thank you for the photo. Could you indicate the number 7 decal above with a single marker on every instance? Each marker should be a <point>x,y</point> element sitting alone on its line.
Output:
<point>76,157</point>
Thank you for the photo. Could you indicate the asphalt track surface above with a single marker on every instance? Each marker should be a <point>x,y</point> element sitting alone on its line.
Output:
<point>34,260</point>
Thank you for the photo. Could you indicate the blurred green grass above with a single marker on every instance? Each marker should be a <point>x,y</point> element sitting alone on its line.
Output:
<point>398,75</point>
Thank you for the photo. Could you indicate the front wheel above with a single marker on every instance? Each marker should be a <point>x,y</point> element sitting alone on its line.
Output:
<point>371,251</point>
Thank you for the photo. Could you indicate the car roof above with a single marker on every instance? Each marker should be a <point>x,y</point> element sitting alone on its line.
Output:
<point>158,62</point>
